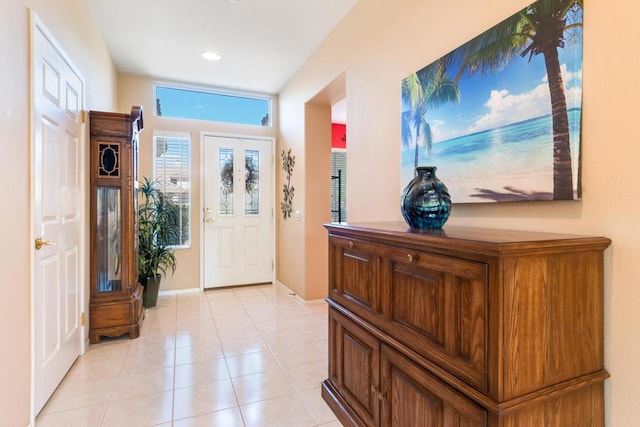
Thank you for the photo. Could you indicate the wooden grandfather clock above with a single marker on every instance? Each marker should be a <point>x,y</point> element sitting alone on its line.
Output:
<point>115,307</point>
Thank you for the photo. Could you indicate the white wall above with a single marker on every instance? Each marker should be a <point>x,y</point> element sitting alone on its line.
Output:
<point>72,25</point>
<point>380,42</point>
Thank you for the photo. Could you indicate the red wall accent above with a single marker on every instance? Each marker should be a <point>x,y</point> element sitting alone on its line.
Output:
<point>338,136</point>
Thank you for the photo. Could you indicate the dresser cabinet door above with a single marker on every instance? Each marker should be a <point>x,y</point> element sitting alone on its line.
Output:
<point>354,275</point>
<point>414,398</point>
<point>354,366</point>
<point>437,306</point>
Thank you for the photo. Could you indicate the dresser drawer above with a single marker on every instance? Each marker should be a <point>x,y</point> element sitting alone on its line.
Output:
<point>354,277</point>
<point>438,306</point>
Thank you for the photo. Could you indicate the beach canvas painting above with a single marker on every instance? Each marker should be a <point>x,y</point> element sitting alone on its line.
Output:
<point>500,115</point>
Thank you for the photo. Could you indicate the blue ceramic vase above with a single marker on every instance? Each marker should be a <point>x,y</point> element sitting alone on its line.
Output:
<point>425,201</point>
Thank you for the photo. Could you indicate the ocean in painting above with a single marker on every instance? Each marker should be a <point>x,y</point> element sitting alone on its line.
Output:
<point>509,163</point>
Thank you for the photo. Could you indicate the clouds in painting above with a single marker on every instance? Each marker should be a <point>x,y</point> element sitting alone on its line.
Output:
<point>504,107</point>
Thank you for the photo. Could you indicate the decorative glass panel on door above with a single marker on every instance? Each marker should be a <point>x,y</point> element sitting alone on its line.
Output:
<point>225,167</point>
<point>252,182</point>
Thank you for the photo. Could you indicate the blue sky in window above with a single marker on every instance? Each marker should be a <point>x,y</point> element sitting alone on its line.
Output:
<point>191,104</point>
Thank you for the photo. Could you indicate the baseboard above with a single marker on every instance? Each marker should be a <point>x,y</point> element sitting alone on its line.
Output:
<point>277,283</point>
<point>285,288</point>
<point>179,291</point>
<point>298,297</point>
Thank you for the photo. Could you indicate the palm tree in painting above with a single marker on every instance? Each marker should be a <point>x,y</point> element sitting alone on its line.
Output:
<point>537,29</point>
<point>427,88</point>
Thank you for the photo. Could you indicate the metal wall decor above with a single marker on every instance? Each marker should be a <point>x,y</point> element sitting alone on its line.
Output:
<point>288,161</point>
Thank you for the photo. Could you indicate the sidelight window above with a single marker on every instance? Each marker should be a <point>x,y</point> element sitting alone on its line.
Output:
<point>172,173</point>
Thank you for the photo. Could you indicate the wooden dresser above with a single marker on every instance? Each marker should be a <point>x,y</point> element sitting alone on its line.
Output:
<point>464,327</point>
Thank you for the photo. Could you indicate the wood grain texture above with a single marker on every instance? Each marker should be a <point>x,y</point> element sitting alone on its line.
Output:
<point>413,397</point>
<point>510,323</point>
<point>356,367</point>
<point>553,320</point>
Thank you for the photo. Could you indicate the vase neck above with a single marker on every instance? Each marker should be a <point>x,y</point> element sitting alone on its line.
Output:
<point>426,170</point>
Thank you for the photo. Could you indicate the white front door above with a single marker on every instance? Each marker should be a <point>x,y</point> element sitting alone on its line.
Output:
<point>58,94</point>
<point>238,211</point>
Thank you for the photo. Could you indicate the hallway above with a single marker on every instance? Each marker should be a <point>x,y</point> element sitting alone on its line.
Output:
<point>251,356</point>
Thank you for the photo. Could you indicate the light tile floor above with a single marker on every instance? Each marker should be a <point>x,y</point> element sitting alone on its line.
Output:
<point>250,356</point>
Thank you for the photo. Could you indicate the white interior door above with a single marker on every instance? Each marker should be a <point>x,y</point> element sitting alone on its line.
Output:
<point>237,211</point>
<point>58,93</point>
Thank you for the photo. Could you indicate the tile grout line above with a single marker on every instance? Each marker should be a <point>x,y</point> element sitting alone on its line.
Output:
<point>284,371</point>
<point>175,351</point>
<point>113,388</point>
<point>235,394</point>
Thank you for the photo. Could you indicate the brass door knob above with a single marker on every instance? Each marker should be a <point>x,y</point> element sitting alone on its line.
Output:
<point>40,243</point>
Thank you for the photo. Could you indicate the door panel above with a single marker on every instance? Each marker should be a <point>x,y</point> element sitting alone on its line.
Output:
<point>70,295</point>
<point>50,269</point>
<point>251,234</point>
<point>237,211</point>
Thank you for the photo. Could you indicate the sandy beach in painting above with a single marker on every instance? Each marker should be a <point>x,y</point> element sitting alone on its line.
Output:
<point>511,188</point>
<point>513,163</point>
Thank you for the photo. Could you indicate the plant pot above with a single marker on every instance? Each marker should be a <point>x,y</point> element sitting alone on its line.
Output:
<point>151,288</point>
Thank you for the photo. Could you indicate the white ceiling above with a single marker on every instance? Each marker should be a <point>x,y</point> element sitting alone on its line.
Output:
<point>262,42</point>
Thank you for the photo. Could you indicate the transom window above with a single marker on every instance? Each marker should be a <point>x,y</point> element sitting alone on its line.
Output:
<point>211,105</point>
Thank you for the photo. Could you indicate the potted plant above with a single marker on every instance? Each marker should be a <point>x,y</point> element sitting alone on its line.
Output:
<point>157,228</point>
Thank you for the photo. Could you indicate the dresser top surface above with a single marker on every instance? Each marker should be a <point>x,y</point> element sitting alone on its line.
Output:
<point>471,238</point>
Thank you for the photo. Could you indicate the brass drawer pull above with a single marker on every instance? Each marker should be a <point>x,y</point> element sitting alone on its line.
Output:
<point>350,244</point>
<point>410,258</point>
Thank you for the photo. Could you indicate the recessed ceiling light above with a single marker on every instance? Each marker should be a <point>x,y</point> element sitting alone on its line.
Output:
<point>211,56</point>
